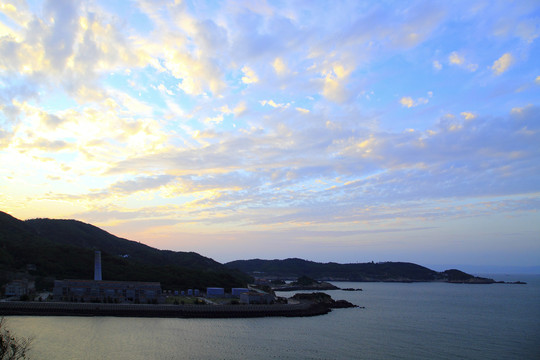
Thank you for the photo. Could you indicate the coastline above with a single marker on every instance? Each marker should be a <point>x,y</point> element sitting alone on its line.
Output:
<point>162,311</point>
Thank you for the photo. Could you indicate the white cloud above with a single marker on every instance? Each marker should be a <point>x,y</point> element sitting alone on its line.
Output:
<point>335,81</point>
<point>468,115</point>
<point>162,88</point>
<point>280,67</point>
<point>459,60</point>
<point>502,64</point>
<point>250,77</point>
<point>409,102</point>
<point>273,104</point>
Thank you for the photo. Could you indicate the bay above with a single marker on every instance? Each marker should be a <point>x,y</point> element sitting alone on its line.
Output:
<point>399,321</point>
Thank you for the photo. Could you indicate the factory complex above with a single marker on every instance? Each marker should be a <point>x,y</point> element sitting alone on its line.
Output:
<point>134,292</point>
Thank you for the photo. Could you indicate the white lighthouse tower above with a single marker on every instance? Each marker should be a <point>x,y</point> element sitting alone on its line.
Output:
<point>97,266</point>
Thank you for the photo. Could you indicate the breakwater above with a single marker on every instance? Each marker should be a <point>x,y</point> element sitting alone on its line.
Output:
<point>166,311</point>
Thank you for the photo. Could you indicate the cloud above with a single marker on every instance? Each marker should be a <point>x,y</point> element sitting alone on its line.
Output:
<point>423,165</point>
<point>59,42</point>
<point>250,77</point>
<point>457,59</point>
<point>437,65</point>
<point>502,64</point>
<point>335,81</point>
<point>468,115</point>
<point>280,67</point>
<point>409,102</point>
<point>141,183</point>
<point>273,104</point>
<point>45,145</point>
<point>240,108</point>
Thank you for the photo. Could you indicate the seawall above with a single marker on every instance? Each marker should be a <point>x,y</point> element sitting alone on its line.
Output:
<point>165,311</point>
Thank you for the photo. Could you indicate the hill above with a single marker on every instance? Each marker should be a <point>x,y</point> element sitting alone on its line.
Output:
<point>65,249</point>
<point>384,271</point>
<point>83,235</point>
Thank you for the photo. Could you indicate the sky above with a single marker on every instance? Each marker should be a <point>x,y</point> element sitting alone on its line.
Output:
<point>345,131</point>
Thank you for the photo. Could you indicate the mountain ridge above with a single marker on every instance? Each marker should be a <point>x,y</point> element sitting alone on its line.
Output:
<point>389,271</point>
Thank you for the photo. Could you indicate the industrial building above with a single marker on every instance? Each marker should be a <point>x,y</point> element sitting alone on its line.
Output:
<point>236,292</point>
<point>215,292</point>
<point>20,287</point>
<point>107,291</point>
<point>98,290</point>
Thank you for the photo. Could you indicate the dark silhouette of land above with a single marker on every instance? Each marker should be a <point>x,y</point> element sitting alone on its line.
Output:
<point>64,249</point>
<point>47,249</point>
<point>362,272</point>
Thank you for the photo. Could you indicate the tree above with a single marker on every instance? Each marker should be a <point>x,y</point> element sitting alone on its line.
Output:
<point>11,347</point>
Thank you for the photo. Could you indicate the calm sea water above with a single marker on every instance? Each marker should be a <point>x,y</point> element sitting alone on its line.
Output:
<point>400,321</point>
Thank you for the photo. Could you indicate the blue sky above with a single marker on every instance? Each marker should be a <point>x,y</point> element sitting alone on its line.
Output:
<point>343,131</point>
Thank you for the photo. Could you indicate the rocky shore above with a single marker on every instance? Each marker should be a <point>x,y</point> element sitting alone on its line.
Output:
<point>323,300</point>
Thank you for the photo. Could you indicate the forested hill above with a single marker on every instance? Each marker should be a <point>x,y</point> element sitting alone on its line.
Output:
<point>80,234</point>
<point>384,271</point>
<point>65,249</point>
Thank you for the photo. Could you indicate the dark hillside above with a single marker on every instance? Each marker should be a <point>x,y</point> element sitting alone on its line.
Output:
<point>79,234</point>
<point>62,249</point>
<point>294,268</point>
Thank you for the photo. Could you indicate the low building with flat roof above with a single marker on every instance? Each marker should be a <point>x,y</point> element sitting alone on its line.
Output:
<point>215,292</point>
<point>108,291</point>
<point>236,292</point>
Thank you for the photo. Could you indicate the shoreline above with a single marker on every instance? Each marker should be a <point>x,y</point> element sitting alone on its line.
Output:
<point>160,311</point>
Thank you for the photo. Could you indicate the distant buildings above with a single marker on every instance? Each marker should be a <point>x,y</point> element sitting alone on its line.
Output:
<point>98,290</point>
<point>107,291</point>
<point>215,292</point>
<point>236,292</point>
<point>19,288</point>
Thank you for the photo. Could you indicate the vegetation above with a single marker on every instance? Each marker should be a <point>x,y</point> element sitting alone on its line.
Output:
<point>458,276</point>
<point>294,268</point>
<point>12,347</point>
<point>64,249</point>
<point>306,271</point>
<point>304,281</point>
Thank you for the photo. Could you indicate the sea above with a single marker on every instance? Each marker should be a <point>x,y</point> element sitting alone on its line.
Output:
<point>394,321</point>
